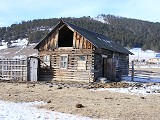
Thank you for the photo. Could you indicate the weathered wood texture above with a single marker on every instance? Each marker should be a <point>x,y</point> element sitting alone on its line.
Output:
<point>99,69</point>
<point>110,69</point>
<point>32,69</point>
<point>99,62</point>
<point>76,70</point>
<point>98,72</point>
<point>72,73</point>
<point>13,69</point>
<point>122,63</point>
<point>51,43</point>
<point>110,65</point>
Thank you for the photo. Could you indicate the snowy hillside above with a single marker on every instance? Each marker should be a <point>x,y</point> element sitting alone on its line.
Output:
<point>17,49</point>
<point>21,48</point>
<point>16,43</point>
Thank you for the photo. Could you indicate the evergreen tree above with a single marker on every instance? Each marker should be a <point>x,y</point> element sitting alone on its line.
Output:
<point>127,32</point>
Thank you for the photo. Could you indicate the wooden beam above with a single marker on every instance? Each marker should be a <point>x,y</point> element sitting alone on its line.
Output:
<point>74,39</point>
<point>81,42</point>
<point>56,40</point>
<point>49,42</point>
<point>77,41</point>
<point>52,46</point>
<point>84,43</point>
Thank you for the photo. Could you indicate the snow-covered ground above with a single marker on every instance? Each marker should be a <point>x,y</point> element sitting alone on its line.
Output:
<point>144,90</point>
<point>27,111</point>
<point>147,86</point>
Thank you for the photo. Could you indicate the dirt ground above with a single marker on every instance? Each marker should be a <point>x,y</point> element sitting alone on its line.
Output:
<point>63,97</point>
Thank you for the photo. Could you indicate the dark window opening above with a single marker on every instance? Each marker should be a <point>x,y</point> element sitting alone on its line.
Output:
<point>65,38</point>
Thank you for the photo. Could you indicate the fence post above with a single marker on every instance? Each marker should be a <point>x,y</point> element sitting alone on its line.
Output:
<point>132,71</point>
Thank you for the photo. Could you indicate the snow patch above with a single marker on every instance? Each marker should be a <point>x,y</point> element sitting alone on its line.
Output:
<point>19,57</point>
<point>4,45</point>
<point>15,43</point>
<point>20,42</point>
<point>101,18</point>
<point>145,90</point>
<point>26,111</point>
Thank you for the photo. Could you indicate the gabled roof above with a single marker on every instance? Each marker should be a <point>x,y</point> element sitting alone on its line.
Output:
<point>98,40</point>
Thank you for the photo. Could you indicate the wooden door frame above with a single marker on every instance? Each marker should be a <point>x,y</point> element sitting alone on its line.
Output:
<point>103,57</point>
<point>111,71</point>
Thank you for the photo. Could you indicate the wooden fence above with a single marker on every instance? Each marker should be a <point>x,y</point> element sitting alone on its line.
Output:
<point>144,65</point>
<point>13,69</point>
<point>142,73</point>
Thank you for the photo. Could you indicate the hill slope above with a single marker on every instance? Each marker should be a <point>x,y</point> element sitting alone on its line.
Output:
<point>127,32</point>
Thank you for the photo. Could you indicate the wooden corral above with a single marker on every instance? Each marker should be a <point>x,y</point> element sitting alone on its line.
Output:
<point>73,53</point>
<point>19,69</point>
<point>13,69</point>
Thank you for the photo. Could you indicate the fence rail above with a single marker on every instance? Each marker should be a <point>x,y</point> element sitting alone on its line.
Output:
<point>13,69</point>
<point>142,73</point>
<point>144,65</point>
<point>145,74</point>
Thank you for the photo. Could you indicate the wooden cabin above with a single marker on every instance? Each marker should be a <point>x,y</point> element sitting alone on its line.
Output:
<point>73,53</point>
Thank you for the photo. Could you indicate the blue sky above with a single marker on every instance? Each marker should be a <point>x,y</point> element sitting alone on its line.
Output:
<point>15,11</point>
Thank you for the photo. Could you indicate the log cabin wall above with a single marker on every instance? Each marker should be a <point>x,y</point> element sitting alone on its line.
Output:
<point>99,56</point>
<point>75,70</point>
<point>122,64</point>
<point>98,72</point>
<point>80,58</point>
<point>102,69</point>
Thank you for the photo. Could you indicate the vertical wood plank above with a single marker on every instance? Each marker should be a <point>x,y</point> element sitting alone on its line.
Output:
<point>74,39</point>
<point>81,42</point>
<point>132,71</point>
<point>56,40</point>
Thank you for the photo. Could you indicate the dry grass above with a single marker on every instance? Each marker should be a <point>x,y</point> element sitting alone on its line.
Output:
<point>96,104</point>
